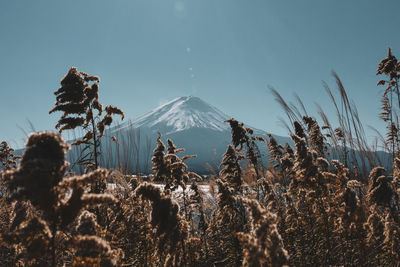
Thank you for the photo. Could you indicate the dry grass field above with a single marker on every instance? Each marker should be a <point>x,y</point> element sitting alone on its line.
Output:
<point>323,202</point>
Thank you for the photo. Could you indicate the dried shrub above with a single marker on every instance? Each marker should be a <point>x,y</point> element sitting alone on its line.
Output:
<point>39,180</point>
<point>78,99</point>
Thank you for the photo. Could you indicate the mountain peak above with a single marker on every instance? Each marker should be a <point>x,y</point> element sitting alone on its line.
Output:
<point>183,113</point>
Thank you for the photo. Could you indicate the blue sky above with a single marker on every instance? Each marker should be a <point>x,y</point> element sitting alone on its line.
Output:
<point>226,52</point>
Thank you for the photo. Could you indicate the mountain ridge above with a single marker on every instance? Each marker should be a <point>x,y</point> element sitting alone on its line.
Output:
<point>192,124</point>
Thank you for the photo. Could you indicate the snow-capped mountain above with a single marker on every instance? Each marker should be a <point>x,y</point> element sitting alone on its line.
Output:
<point>189,122</point>
<point>181,114</point>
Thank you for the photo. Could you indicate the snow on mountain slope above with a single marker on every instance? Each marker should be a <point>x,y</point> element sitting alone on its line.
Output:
<point>183,113</point>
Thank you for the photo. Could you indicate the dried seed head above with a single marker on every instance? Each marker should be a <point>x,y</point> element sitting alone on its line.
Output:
<point>380,190</point>
<point>7,158</point>
<point>298,129</point>
<point>115,140</point>
<point>263,245</point>
<point>231,172</point>
<point>114,110</point>
<point>388,64</point>
<point>238,133</point>
<point>160,169</point>
<point>87,223</point>
<point>164,216</point>
<point>41,168</point>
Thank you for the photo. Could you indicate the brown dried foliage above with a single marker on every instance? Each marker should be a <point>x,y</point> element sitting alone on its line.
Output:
<point>309,207</point>
<point>56,201</point>
<point>78,98</point>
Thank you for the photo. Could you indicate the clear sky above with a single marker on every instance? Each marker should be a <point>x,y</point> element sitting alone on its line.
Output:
<point>226,52</point>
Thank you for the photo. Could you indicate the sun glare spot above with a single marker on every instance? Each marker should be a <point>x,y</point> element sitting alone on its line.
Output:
<point>179,9</point>
<point>179,6</point>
